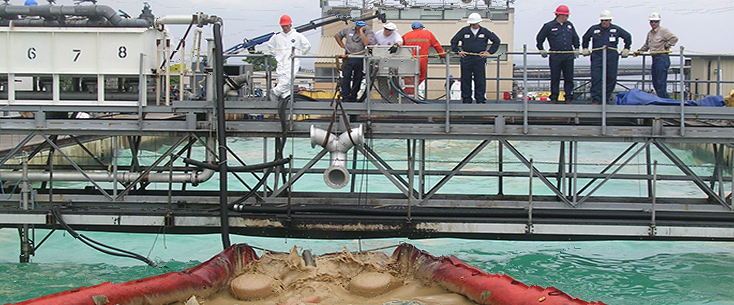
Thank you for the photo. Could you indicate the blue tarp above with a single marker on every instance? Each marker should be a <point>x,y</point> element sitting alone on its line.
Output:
<point>637,97</point>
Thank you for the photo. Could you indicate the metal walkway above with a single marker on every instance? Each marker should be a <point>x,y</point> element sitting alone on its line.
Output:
<point>561,202</point>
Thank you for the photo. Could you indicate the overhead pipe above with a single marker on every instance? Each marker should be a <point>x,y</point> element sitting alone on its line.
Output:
<point>337,175</point>
<point>175,19</point>
<point>195,177</point>
<point>199,19</point>
<point>51,13</point>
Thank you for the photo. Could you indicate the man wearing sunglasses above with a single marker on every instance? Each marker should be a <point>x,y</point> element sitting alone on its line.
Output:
<point>601,36</point>
<point>658,42</point>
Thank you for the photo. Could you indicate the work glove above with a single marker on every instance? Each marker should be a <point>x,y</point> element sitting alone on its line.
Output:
<point>585,52</point>
<point>544,53</point>
<point>625,53</point>
<point>636,53</point>
<point>393,49</point>
<point>575,53</point>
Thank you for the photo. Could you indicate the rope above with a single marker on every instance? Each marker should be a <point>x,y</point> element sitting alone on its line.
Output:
<point>705,53</point>
<point>563,52</point>
<point>651,53</point>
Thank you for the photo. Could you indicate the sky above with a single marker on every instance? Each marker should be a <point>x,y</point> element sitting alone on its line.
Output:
<point>698,24</point>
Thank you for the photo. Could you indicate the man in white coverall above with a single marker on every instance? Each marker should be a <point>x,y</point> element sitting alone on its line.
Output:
<point>279,46</point>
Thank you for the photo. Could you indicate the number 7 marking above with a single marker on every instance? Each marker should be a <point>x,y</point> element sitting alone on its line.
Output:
<point>78,52</point>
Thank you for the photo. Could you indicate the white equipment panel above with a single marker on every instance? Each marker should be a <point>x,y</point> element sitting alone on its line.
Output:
<point>47,50</point>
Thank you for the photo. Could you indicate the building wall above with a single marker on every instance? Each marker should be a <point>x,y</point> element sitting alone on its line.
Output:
<point>706,68</point>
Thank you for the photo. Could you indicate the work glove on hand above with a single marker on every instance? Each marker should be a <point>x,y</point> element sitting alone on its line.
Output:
<point>585,52</point>
<point>575,53</point>
<point>544,53</point>
<point>634,54</point>
<point>393,49</point>
<point>625,53</point>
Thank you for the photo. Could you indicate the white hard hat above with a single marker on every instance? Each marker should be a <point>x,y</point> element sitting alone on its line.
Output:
<point>390,26</point>
<point>605,15</point>
<point>474,18</point>
<point>654,17</point>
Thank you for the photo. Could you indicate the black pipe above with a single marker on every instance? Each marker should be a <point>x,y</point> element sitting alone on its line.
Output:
<point>97,15</point>
<point>248,168</point>
<point>221,133</point>
<point>469,213</point>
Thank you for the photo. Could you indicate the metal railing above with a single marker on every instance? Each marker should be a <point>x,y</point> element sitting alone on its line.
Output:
<point>681,84</point>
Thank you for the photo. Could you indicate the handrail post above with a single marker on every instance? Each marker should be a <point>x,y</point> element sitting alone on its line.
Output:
<point>447,125</point>
<point>530,195</point>
<point>525,89</point>
<point>291,98</point>
<point>654,192</point>
<point>498,79</point>
<point>142,91</point>
<point>682,94</point>
<point>642,86</point>
<point>603,91</point>
<point>718,75</point>
<point>368,80</point>
<point>575,171</point>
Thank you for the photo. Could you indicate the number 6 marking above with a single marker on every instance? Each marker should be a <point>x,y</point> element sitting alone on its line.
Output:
<point>31,53</point>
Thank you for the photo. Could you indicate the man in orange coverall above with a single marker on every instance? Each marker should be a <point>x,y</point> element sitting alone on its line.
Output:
<point>425,40</point>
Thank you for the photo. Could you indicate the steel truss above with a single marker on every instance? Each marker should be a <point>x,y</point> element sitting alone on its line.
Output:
<point>421,200</point>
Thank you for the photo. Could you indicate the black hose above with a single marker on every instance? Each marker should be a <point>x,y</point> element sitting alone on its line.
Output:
<point>369,86</point>
<point>247,168</point>
<point>469,214</point>
<point>250,193</point>
<point>399,91</point>
<point>444,213</point>
<point>302,97</point>
<point>91,243</point>
<point>180,43</point>
<point>221,134</point>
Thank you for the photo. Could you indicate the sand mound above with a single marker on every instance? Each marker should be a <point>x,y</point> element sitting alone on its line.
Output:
<point>252,286</point>
<point>371,284</point>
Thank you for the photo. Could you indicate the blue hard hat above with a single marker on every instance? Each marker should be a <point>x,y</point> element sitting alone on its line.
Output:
<point>30,2</point>
<point>417,25</point>
<point>451,76</point>
<point>360,23</point>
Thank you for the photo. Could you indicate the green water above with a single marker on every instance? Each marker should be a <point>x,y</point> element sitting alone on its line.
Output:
<point>615,272</point>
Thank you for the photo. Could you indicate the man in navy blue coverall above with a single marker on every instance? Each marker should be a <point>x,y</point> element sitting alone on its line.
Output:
<point>564,45</point>
<point>474,39</point>
<point>604,34</point>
